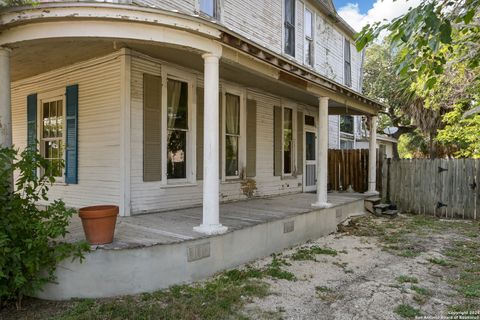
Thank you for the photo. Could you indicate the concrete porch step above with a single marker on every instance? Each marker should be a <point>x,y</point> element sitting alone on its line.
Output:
<point>371,202</point>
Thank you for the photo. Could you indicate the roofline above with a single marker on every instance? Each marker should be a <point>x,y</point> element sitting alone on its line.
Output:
<point>230,38</point>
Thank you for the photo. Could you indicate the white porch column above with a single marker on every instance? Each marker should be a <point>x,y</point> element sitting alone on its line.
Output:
<point>372,158</point>
<point>211,182</point>
<point>5,102</point>
<point>322,154</point>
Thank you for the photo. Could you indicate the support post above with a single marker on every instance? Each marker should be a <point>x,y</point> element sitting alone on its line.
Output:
<point>372,158</point>
<point>322,155</point>
<point>211,182</point>
<point>5,99</point>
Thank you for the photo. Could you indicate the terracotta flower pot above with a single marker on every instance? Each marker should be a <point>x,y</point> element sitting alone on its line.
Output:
<point>99,223</point>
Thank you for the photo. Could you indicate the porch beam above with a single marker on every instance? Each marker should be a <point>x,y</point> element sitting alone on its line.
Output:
<point>5,99</point>
<point>322,154</point>
<point>372,157</point>
<point>211,182</point>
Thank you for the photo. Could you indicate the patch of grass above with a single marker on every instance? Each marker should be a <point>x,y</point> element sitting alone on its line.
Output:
<point>274,270</point>
<point>407,279</point>
<point>437,261</point>
<point>327,294</point>
<point>219,298</point>
<point>407,311</point>
<point>309,253</point>
<point>421,291</point>
<point>408,253</point>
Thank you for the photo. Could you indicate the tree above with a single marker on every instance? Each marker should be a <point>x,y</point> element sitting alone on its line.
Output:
<point>406,109</point>
<point>436,48</point>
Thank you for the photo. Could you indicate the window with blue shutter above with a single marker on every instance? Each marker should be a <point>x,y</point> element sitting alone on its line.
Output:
<point>32,121</point>
<point>71,148</point>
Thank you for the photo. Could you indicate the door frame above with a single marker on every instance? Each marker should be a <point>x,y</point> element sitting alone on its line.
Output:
<point>309,129</point>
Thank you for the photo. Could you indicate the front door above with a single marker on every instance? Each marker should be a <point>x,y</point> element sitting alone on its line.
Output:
<point>310,180</point>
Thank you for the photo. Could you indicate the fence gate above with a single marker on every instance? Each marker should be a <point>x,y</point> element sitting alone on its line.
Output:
<point>446,188</point>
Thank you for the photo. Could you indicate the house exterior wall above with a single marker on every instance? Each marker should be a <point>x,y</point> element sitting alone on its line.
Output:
<point>156,196</point>
<point>262,22</point>
<point>98,79</point>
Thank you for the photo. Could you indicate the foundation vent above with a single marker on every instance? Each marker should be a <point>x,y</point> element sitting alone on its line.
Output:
<point>198,252</point>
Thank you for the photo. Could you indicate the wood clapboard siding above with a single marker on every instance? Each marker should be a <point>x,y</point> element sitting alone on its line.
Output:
<point>261,21</point>
<point>154,196</point>
<point>334,132</point>
<point>98,132</point>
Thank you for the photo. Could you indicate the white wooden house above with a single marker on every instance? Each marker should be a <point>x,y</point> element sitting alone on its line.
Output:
<point>157,105</point>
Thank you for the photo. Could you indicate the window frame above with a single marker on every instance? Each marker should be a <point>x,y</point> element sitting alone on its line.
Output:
<point>216,10</point>
<point>353,124</point>
<point>347,63</point>
<point>242,140</point>
<point>309,40</point>
<point>293,107</point>
<point>54,95</point>
<point>183,76</point>
<point>287,25</point>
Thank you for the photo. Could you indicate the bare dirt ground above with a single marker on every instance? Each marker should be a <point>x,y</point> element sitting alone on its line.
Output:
<point>380,264</point>
<point>374,268</point>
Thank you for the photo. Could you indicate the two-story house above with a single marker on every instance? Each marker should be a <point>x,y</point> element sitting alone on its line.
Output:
<point>123,93</point>
<point>157,105</point>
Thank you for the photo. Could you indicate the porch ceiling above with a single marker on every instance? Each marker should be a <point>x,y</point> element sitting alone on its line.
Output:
<point>31,58</point>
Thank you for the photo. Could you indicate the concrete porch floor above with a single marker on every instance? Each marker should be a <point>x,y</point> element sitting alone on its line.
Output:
<point>177,225</point>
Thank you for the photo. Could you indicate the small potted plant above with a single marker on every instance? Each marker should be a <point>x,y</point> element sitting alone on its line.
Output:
<point>99,223</point>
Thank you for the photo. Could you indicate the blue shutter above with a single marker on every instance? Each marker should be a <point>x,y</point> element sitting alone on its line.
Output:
<point>71,148</point>
<point>32,121</point>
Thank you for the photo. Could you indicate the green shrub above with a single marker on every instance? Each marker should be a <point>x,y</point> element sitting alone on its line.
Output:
<point>30,238</point>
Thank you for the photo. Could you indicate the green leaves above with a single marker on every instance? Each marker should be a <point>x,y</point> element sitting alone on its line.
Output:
<point>30,238</point>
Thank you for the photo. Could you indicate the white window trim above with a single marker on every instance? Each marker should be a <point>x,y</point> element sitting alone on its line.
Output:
<point>217,12</point>
<point>314,15</point>
<point>351,71</point>
<point>180,75</point>
<point>242,143</point>
<point>283,31</point>
<point>293,106</point>
<point>54,95</point>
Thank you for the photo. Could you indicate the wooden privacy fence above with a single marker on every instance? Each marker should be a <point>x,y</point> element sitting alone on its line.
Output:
<point>350,167</point>
<point>438,187</point>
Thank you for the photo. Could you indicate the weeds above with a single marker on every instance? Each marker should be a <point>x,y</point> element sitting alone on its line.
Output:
<point>407,311</point>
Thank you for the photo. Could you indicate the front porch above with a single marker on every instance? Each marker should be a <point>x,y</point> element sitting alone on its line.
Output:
<point>155,251</point>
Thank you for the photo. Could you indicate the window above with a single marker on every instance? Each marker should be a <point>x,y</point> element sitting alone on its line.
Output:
<point>308,37</point>
<point>177,129</point>
<point>346,124</point>
<point>346,144</point>
<point>208,7</point>
<point>52,134</point>
<point>289,25</point>
<point>287,140</point>
<point>232,135</point>
<point>347,63</point>
<point>309,121</point>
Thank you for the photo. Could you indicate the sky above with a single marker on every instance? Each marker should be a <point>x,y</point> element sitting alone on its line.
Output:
<point>358,13</point>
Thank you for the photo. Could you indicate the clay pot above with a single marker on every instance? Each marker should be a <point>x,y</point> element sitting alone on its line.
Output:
<point>99,223</point>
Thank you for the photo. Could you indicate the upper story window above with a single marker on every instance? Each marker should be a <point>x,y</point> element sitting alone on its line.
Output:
<point>346,124</point>
<point>308,22</point>
<point>347,63</point>
<point>289,25</point>
<point>208,7</point>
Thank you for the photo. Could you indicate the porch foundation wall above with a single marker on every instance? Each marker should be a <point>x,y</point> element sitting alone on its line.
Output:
<point>107,273</point>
